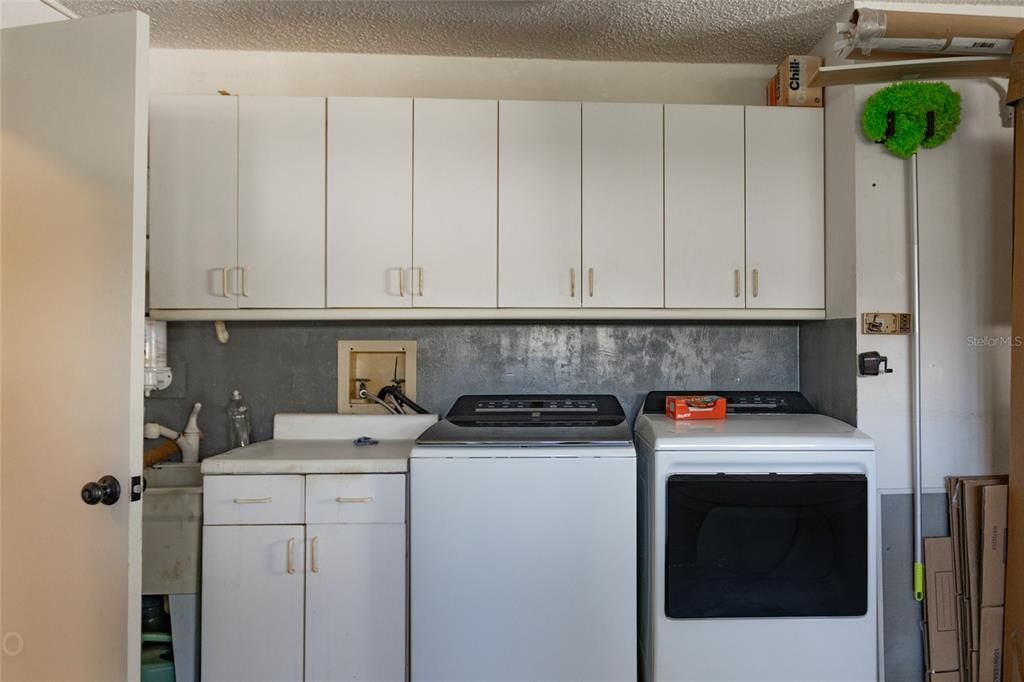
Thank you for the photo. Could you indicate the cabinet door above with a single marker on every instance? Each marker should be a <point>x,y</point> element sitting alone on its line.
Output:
<point>785,208</point>
<point>455,188</point>
<point>623,212</point>
<point>281,186</point>
<point>704,249</point>
<point>539,214</point>
<point>369,202</point>
<point>355,602</point>
<point>252,603</point>
<point>193,220</point>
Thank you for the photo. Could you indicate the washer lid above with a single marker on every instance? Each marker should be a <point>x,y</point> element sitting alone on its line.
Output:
<point>534,420</point>
<point>746,432</point>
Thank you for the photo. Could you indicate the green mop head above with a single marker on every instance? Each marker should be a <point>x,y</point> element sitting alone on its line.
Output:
<point>908,126</point>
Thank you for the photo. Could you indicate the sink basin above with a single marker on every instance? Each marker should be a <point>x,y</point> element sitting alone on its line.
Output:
<point>172,525</point>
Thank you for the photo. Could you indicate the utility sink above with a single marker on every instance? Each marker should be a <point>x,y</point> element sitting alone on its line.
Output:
<point>172,525</point>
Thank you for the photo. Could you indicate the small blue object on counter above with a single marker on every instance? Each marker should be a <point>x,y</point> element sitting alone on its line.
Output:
<point>365,440</point>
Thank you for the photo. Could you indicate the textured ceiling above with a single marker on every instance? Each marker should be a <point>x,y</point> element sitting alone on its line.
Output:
<point>751,31</point>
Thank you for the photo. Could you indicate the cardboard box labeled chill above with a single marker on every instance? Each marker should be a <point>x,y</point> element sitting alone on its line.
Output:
<point>789,86</point>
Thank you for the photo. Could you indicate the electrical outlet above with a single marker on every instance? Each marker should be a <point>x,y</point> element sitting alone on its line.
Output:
<point>885,323</point>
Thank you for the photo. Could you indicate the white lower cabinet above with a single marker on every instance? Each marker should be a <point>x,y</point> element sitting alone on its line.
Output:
<point>253,587</point>
<point>355,602</point>
<point>315,601</point>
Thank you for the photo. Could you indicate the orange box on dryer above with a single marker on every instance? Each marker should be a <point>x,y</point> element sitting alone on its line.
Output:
<point>695,406</point>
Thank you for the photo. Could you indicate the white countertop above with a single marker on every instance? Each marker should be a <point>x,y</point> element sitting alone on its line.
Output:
<point>312,457</point>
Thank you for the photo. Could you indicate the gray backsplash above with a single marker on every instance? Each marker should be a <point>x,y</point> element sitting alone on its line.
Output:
<point>293,366</point>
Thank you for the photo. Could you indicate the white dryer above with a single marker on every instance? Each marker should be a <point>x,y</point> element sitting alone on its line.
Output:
<point>757,544</point>
<point>523,542</point>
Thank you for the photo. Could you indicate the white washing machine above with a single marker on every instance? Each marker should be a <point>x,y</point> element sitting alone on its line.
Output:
<point>758,544</point>
<point>523,542</point>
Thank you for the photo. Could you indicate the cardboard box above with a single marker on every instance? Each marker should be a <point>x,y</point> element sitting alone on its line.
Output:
<point>695,407</point>
<point>940,603</point>
<point>993,545</point>
<point>966,519</point>
<point>790,86</point>
<point>990,654</point>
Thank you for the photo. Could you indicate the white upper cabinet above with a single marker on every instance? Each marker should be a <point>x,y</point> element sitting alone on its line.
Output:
<point>369,202</point>
<point>785,171</point>
<point>623,211</point>
<point>704,199</point>
<point>455,188</point>
<point>281,188</point>
<point>539,212</point>
<point>193,221</point>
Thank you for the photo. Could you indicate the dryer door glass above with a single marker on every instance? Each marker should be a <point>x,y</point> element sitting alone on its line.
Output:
<point>766,546</point>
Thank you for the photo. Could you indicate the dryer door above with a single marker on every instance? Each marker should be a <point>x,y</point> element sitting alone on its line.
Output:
<point>766,545</point>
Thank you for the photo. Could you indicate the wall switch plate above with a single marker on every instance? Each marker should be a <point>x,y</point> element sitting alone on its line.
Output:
<point>374,364</point>
<point>885,323</point>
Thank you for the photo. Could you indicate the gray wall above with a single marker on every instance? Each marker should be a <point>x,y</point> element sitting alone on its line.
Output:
<point>828,366</point>
<point>293,367</point>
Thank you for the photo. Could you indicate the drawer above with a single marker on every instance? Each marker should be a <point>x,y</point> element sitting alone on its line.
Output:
<point>238,499</point>
<point>355,498</point>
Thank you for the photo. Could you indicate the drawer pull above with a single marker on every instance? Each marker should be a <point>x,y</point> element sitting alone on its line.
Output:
<point>291,556</point>
<point>253,500</point>
<point>314,554</point>
<point>353,500</point>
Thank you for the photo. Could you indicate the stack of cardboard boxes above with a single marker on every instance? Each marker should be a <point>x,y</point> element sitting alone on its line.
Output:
<point>965,584</point>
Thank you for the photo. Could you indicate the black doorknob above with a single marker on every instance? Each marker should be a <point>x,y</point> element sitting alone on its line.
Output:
<point>106,490</point>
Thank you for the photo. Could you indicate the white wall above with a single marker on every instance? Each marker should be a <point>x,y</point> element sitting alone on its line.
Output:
<point>24,12</point>
<point>295,73</point>
<point>965,190</point>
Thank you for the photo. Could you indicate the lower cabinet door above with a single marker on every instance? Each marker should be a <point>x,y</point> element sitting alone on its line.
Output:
<point>252,622</point>
<point>355,602</point>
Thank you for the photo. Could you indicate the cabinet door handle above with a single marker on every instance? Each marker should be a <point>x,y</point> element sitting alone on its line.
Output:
<point>291,556</point>
<point>253,500</point>
<point>736,282</point>
<point>590,281</point>
<point>401,282</point>
<point>245,282</point>
<point>421,280</point>
<point>314,563</point>
<point>224,283</point>
<point>572,282</point>
<point>757,283</point>
<point>353,500</point>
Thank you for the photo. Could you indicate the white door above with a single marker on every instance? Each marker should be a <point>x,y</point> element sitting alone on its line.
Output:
<point>455,200</point>
<point>704,195</point>
<point>253,597</point>
<point>623,213</point>
<point>75,111</point>
<point>193,200</point>
<point>785,207</point>
<point>281,195</point>
<point>539,214</point>
<point>355,602</point>
<point>369,202</point>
